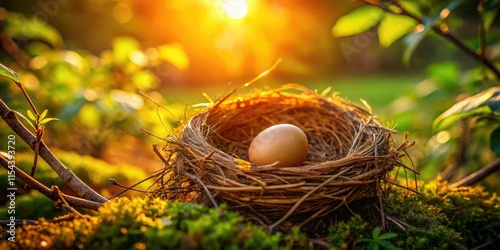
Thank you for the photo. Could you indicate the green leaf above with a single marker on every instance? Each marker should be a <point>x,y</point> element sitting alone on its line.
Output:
<point>357,21</point>
<point>26,119</point>
<point>393,27</point>
<point>44,113</point>
<point>8,73</point>
<point>376,232</point>
<point>384,244</point>
<point>489,17</point>
<point>412,7</point>
<point>31,115</point>
<point>71,110</point>
<point>48,120</point>
<point>414,39</point>
<point>386,236</point>
<point>484,103</point>
<point>18,26</point>
<point>495,141</point>
<point>373,246</point>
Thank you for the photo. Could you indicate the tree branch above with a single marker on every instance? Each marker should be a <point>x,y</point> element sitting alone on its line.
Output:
<point>445,34</point>
<point>66,175</point>
<point>52,194</point>
<point>478,175</point>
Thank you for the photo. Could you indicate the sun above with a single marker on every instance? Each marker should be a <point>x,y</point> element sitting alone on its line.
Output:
<point>235,9</point>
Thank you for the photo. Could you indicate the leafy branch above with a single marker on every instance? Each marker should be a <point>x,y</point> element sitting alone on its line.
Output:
<point>411,20</point>
<point>36,143</point>
<point>445,32</point>
<point>412,24</point>
<point>37,120</point>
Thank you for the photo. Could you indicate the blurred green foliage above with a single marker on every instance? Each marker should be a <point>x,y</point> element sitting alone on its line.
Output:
<point>94,97</point>
<point>36,205</point>
<point>464,135</point>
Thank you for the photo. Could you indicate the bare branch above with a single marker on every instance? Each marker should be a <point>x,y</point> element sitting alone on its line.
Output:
<point>66,175</point>
<point>478,175</point>
<point>52,194</point>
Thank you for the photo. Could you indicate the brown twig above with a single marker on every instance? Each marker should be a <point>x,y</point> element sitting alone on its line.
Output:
<point>320,243</point>
<point>114,182</point>
<point>14,51</point>
<point>64,203</point>
<point>66,175</point>
<point>485,245</point>
<point>478,175</point>
<point>39,134</point>
<point>481,29</point>
<point>52,194</point>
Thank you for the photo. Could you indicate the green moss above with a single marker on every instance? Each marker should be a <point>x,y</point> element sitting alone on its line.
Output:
<point>62,234</point>
<point>472,211</point>
<point>347,235</point>
<point>133,224</point>
<point>439,217</point>
<point>429,228</point>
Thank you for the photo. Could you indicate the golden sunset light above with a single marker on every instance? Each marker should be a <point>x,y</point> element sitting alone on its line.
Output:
<point>235,9</point>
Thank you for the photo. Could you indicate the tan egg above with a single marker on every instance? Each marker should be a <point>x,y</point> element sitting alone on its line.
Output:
<point>283,143</point>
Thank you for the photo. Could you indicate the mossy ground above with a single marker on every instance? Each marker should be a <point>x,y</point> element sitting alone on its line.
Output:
<point>439,217</point>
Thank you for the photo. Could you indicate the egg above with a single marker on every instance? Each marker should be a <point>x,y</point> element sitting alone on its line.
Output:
<point>283,143</point>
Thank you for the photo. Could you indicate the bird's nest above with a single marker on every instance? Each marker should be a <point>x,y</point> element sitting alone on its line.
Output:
<point>350,156</point>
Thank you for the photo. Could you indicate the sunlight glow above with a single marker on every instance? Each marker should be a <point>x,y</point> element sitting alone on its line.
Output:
<point>235,9</point>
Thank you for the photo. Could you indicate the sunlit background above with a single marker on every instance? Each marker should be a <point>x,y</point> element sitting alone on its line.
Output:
<point>87,62</point>
<point>218,40</point>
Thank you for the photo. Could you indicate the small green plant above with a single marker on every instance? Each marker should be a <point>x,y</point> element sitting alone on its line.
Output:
<point>380,240</point>
<point>39,121</point>
<point>347,235</point>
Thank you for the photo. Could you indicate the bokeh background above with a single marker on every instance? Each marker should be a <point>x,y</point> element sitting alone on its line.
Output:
<point>103,66</point>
